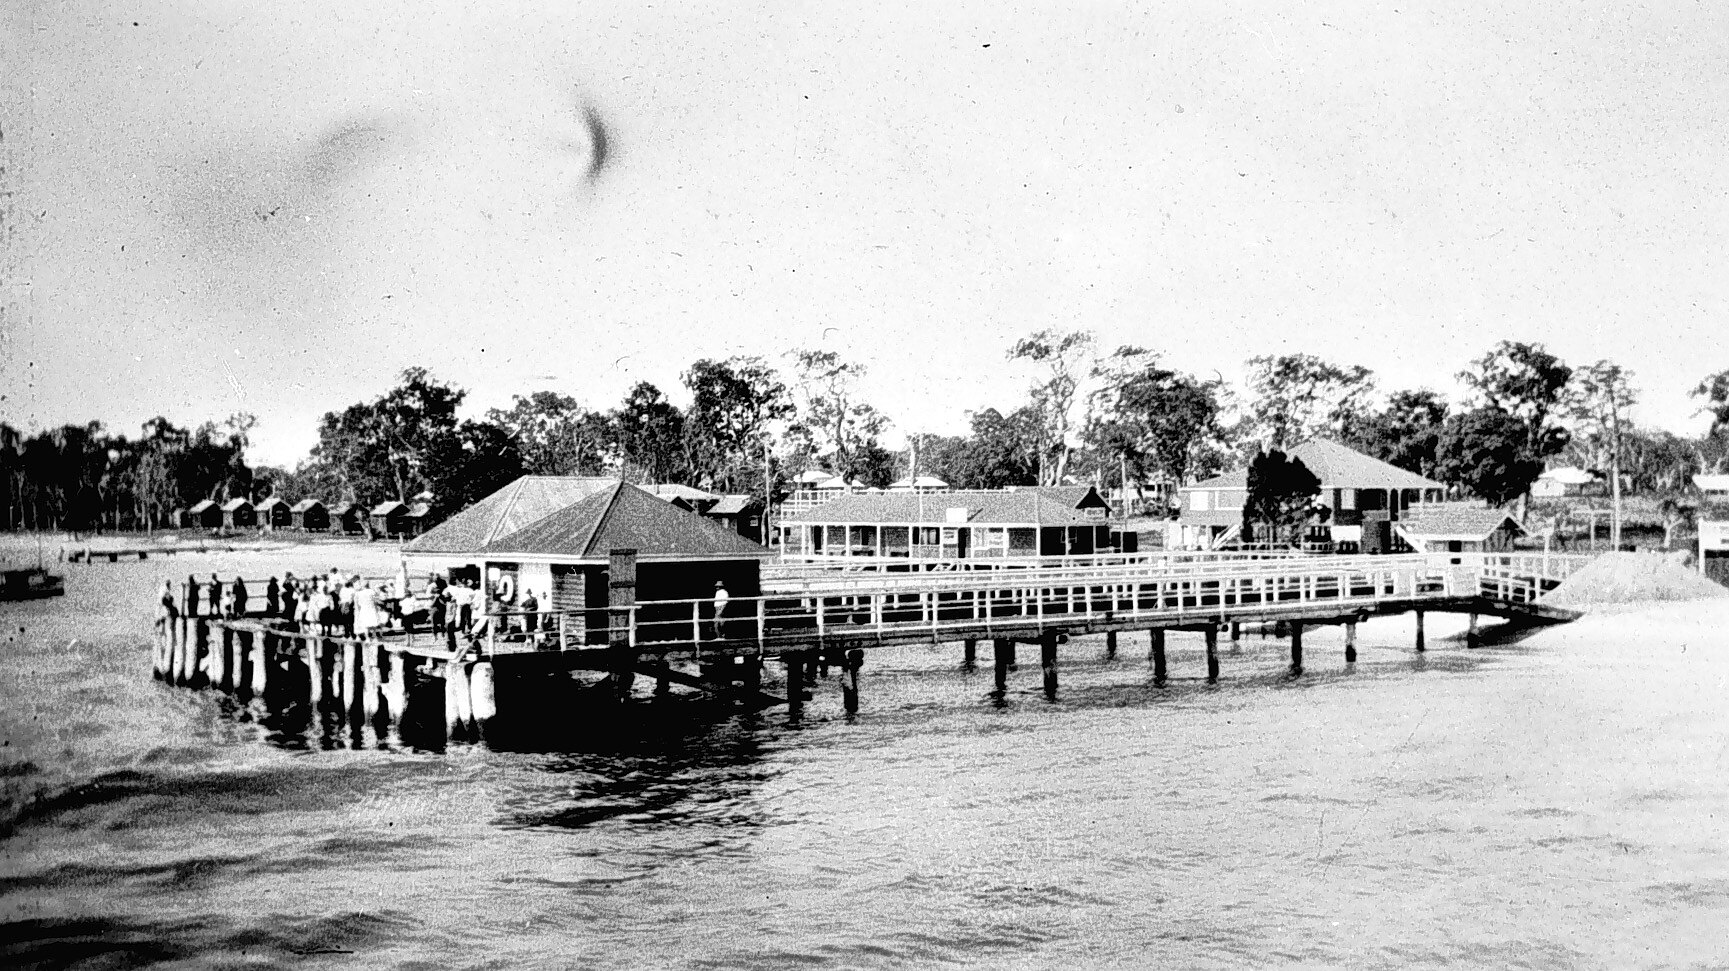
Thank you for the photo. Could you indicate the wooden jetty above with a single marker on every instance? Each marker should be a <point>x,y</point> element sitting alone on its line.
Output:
<point>834,619</point>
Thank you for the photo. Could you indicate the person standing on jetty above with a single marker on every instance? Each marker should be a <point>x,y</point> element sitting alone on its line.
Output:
<point>191,595</point>
<point>465,606</point>
<point>237,598</point>
<point>720,599</point>
<point>213,593</point>
<point>530,608</point>
<point>166,612</point>
<point>290,596</point>
<point>272,597</point>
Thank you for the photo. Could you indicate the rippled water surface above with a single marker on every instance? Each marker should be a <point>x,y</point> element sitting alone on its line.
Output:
<point>1554,802</point>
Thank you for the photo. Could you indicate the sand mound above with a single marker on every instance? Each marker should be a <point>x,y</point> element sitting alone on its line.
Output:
<point>1621,578</point>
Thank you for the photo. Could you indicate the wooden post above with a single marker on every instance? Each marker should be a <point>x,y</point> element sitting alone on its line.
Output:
<point>1350,642</point>
<point>350,691</point>
<point>456,699</point>
<point>849,680</point>
<point>1471,631</point>
<point>1420,647</point>
<point>1156,651</point>
<point>794,662</point>
<point>1296,647</point>
<point>483,695</point>
<point>1212,635</point>
<point>620,597</point>
<point>263,656</point>
<point>189,661</point>
<point>662,684</point>
<point>970,655</point>
<point>370,689</point>
<point>1236,636</point>
<point>1111,645</point>
<point>1004,657</point>
<point>315,673</point>
<point>395,681</point>
<point>1048,662</point>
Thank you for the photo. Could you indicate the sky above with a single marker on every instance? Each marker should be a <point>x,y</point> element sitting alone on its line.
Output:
<point>227,206</point>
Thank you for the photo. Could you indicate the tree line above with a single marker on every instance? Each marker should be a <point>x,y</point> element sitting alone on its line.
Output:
<point>1112,417</point>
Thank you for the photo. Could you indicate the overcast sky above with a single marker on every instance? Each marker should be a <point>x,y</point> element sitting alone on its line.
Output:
<point>274,207</point>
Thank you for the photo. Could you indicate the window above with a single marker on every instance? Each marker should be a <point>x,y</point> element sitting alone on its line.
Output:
<point>1200,500</point>
<point>1229,499</point>
<point>1347,499</point>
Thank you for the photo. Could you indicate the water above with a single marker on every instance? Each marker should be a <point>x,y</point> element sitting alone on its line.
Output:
<point>1548,803</point>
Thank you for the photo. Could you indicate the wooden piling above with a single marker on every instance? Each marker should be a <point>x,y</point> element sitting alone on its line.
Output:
<point>620,598</point>
<point>1110,645</point>
<point>1003,654</point>
<point>1350,642</point>
<point>1471,635</point>
<point>200,639</point>
<point>349,691</point>
<point>395,685</point>
<point>316,673</point>
<point>795,664</point>
<point>483,695</point>
<point>1420,647</point>
<point>1212,636</point>
<point>371,691</point>
<point>458,701</point>
<point>1156,651</point>
<point>1048,662</point>
<point>849,680</point>
<point>970,655</point>
<point>1296,647</point>
<point>263,656</point>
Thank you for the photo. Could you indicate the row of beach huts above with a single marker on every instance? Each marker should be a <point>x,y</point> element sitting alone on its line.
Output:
<point>395,519</point>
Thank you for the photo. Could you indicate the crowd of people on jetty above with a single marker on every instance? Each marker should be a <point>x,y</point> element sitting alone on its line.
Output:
<point>346,605</point>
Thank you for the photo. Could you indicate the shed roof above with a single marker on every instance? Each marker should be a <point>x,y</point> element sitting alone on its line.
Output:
<point>527,500</point>
<point>420,510</point>
<point>624,516</point>
<point>389,507</point>
<point>1454,520</point>
<point>1570,475</point>
<point>306,504</point>
<point>673,490</point>
<point>234,504</point>
<point>837,482</point>
<point>813,476</point>
<point>1039,505</point>
<point>270,503</point>
<point>1337,466</point>
<point>203,505</point>
<point>922,482</point>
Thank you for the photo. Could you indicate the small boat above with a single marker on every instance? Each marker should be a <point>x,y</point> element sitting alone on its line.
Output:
<point>29,584</point>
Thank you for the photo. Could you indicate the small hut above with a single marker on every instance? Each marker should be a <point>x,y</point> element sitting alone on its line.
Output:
<point>348,518</point>
<point>179,518</point>
<point>273,514</point>
<point>239,514</point>
<point>205,515</point>
<point>741,514</point>
<point>1458,527</point>
<point>390,519</point>
<point>309,515</point>
<point>419,515</point>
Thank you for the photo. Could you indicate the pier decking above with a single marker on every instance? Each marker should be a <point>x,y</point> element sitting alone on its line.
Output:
<point>833,617</point>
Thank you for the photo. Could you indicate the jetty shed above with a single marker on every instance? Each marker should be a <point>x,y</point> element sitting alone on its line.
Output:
<point>239,514</point>
<point>347,518</point>
<point>309,515</point>
<point>1021,522</point>
<point>273,514</point>
<point>1458,527</point>
<point>565,558</point>
<point>450,547</point>
<point>205,514</point>
<point>1364,496</point>
<point>390,518</point>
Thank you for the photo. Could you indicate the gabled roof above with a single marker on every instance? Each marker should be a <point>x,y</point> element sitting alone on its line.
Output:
<point>388,507</point>
<point>527,500</point>
<point>733,505</point>
<point>672,490</point>
<point>837,482</point>
<point>1453,520</point>
<point>1337,467</point>
<point>234,504</point>
<point>419,510</point>
<point>922,482</point>
<point>624,517</point>
<point>270,503</point>
<point>1038,505</point>
<point>203,505</point>
<point>306,504</point>
<point>344,508</point>
<point>812,477</point>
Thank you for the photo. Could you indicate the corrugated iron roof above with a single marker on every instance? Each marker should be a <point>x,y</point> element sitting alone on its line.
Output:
<point>387,507</point>
<point>1040,505</point>
<point>270,503</point>
<point>733,505</point>
<point>527,500</point>
<point>1453,520</point>
<point>202,505</point>
<point>624,517</point>
<point>672,490</point>
<point>305,504</point>
<point>234,504</point>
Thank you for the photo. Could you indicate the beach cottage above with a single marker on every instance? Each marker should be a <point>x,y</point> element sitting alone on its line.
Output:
<point>309,515</point>
<point>273,514</point>
<point>1024,522</point>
